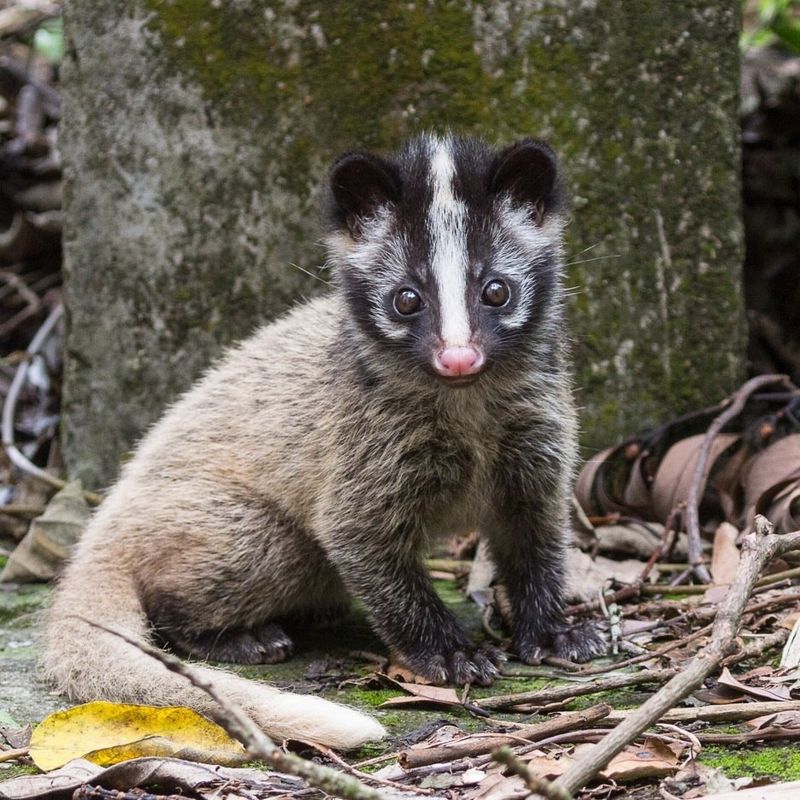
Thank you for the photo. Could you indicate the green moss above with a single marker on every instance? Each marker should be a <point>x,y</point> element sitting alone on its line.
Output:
<point>511,686</point>
<point>9,771</point>
<point>370,750</point>
<point>370,697</point>
<point>779,763</point>
<point>368,83</point>
<point>26,599</point>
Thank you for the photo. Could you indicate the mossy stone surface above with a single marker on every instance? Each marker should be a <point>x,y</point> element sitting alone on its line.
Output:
<point>196,138</point>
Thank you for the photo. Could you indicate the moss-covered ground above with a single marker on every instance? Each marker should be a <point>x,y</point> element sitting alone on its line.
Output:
<point>335,664</point>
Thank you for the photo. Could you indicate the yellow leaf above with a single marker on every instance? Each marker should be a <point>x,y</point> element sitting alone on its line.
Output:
<point>107,733</point>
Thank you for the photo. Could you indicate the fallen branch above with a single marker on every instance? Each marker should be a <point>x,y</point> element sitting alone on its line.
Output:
<point>757,549</point>
<point>481,744</point>
<point>560,693</point>
<point>764,735</point>
<point>731,712</point>
<point>234,720</point>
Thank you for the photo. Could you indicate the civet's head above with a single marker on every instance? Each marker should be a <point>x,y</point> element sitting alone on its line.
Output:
<point>448,252</point>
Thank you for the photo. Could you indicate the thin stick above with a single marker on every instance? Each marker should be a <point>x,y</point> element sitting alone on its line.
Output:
<point>757,549</point>
<point>477,744</point>
<point>560,693</point>
<point>731,712</point>
<point>364,776</point>
<point>13,755</point>
<point>777,577</point>
<point>235,721</point>
<point>698,483</point>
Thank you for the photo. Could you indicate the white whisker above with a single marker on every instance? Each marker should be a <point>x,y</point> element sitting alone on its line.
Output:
<point>596,258</point>
<point>310,274</point>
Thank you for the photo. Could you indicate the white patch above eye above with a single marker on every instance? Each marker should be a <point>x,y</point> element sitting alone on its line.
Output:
<point>447,222</point>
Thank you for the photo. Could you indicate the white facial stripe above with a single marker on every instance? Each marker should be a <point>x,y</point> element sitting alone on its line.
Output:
<point>446,220</point>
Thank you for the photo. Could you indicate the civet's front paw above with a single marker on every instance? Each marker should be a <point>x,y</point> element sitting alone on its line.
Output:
<point>478,667</point>
<point>578,643</point>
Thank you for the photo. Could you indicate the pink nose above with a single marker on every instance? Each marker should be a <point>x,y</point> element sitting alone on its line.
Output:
<point>452,362</point>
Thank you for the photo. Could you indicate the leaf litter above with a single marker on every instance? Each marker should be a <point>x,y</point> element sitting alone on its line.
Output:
<point>661,615</point>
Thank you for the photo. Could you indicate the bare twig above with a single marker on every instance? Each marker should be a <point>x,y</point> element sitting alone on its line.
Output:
<point>560,693</point>
<point>698,483</point>
<point>233,718</point>
<point>21,510</point>
<point>625,593</point>
<point>479,744</point>
<point>363,776</point>
<point>763,735</point>
<point>13,755</point>
<point>777,577</point>
<point>731,712</point>
<point>757,549</point>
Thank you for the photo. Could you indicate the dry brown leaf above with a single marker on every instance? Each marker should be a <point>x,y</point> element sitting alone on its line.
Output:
<point>725,555</point>
<point>419,694</point>
<point>547,766</point>
<point>169,774</point>
<point>586,576</point>
<point>774,693</point>
<point>789,621</point>
<point>653,759</point>
<point>400,672</point>
<point>675,472</point>
<point>783,719</point>
<point>718,696</point>
<point>497,786</point>
<point>47,543</point>
<point>776,467</point>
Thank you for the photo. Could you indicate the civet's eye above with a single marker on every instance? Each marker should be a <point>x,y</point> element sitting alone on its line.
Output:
<point>495,293</point>
<point>407,301</point>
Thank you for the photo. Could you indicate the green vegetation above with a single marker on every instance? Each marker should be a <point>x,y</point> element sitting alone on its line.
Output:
<point>773,21</point>
<point>779,763</point>
<point>9,771</point>
<point>24,600</point>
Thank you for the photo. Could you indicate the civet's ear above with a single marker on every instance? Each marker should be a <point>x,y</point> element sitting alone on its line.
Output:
<point>361,184</point>
<point>528,172</point>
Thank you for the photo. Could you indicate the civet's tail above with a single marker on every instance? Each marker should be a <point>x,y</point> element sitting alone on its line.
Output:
<point>88,663</point>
